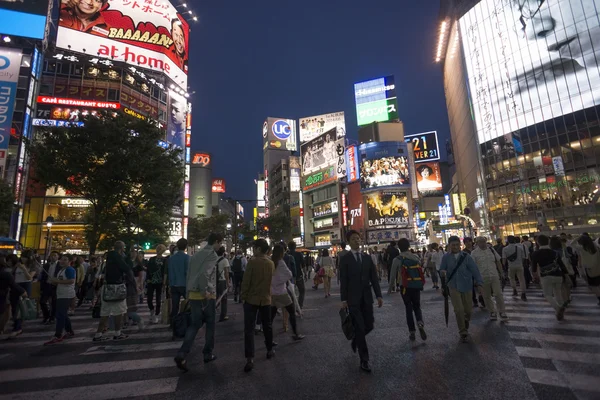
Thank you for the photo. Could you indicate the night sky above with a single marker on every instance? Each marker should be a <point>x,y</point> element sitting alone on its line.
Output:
<point>251,60</point>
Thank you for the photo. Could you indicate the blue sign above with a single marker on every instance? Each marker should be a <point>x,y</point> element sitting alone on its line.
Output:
<point>10,63</point>
<point>26,19</point>
<point>282,129</point>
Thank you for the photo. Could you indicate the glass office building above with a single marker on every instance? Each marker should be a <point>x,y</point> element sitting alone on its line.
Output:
<point>522,82</point>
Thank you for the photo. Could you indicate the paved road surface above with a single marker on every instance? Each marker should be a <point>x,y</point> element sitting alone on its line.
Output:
<point>532,356</point>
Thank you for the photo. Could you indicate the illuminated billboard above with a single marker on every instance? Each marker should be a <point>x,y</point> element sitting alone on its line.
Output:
<point>530,61</point>
<point>146,34</point>
<point>218,185</point>
<point>383,164</point>
<point>425,146</point>
<point>429,179</point>
<point>311,127</point>
<point>376,100</point>
<point>24,18</point>
<point>353,170</point>
<point>177,119</point>
<point>201,159</point>
<point>387,209</point>
<point>9,76</point>
<point>323,160</point>
<point>294,174</point>
<point>279,134</point>
<point>78,102</point>
<point>355,207</point>
<point>260,193</point>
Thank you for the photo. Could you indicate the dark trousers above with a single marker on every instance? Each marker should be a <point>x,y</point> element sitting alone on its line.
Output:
<point>412,303</point>
<point>237,287</point>
<point>222,287</point>
<point>48,295</point>
<point>82,293</point>
<point>63,322</point>
<point>290,309</point>
<point>177,292</point>
<point>203,312</point>
<point>16,314</point>
<point>152,288</point>
<point>363,321</point>
<point>250,311</point>
<point>301,291</point>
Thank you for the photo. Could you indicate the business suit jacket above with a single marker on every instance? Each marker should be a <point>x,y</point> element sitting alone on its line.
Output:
<point>357,279</point>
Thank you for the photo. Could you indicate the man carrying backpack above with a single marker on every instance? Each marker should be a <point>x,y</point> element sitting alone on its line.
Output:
<point>412,284</point>
<point>515,255</point>
<point>238,266</point>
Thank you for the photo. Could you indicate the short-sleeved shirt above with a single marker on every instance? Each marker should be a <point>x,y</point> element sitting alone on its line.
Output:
<point>486,261</point>
<point>510,250</point>
<point>66,291</point>
<point>223,265</point>
<point>20,276</point>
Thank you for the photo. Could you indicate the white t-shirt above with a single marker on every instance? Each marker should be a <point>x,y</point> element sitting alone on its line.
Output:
<point>20,276</point>
<point>510,250</point>
<point>65,291</point>
<point>223,265</point>
<point>486,261</point>
<point>436,257</point>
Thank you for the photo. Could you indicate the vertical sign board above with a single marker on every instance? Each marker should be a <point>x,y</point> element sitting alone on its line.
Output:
<point>10,63</point>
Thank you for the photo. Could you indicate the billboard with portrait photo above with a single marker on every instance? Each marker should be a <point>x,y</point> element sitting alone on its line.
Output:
<point>319,153</point>
<point>387,209</point>
<point>177,120</point>
<point>384,164</point>
<point>311,127</point>
<point>530,61</point>
<point>145,34</point>
<point>429,179</point>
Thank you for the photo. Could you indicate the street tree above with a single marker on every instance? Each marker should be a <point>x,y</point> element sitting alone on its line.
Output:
<point>114,160</point>
<point>6,207</point>
<point>276,227</point>
<point>200,227</point>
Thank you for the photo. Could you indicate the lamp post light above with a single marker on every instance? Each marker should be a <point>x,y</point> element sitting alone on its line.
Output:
<point>49,222</point>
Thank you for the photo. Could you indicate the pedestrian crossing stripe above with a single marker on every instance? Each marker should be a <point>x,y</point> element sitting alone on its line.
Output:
<point>547,337</point>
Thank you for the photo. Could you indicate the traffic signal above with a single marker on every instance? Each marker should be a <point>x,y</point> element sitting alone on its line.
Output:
<point>147,246</point>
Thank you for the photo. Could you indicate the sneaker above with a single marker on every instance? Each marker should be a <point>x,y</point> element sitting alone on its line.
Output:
<point>464,338</point>
<point>560,314</point>
<point>100,338</point>
<point>412,336</point>
<point>54,340</point>
<point>523,297</point>
<point>493,316</point>
<point>298,337</point>
<point>249,366</point>
<point>140,326</point>
<point>270,354</point>
<point>475,304</point>
<point>422,331</point>
<point>68,335</point>
<point>515,294</point>
<point>15,334</point>
<point>122,336</point>
<point>503,316</point>
<point>155,319</point>
<point>181,364</point>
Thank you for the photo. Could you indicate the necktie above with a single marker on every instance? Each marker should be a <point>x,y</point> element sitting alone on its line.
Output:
<point>358,258</point>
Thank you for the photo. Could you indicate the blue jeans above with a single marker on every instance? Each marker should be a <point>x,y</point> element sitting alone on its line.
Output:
<point>63,322</point>
<point>177,292</point>
<point>203,312</point>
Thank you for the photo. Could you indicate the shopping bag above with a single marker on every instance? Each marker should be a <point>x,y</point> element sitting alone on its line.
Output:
<point>182,321</point>
<point>27,309</point>
<point>347,326</point>
<point>165,315</point>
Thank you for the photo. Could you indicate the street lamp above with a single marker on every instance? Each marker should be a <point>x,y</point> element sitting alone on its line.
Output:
<point>49,222</point>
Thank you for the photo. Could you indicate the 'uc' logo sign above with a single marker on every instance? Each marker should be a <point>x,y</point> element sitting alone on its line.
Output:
<point>281,129</point>
<point>4,62</point>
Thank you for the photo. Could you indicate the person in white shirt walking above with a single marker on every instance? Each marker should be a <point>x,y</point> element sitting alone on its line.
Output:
<point>515,255</point>
<point>433,262</point>
<point>490,268</point>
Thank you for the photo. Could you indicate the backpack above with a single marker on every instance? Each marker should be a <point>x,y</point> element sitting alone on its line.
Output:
<point>236,267</point>
<point>513,257</point>
<point>412,274</point>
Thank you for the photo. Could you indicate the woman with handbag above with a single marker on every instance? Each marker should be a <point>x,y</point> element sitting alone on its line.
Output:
<point>113,295</point>
<point>589,264</point>
<point>327,271</point>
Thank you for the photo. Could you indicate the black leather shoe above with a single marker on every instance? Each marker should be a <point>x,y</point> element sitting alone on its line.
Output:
<point>181,364</point>
<point>353,344</point>
<point>210,358</point>
<point>364,365</point>
<point>249,366</point>
<point>270,354</point>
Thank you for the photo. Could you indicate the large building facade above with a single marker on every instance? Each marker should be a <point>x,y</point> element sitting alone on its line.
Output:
<point>522,86</point>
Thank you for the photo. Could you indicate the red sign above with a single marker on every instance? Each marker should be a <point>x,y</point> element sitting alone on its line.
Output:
<point>218,185</point>
<point>77,102</point>
<point>202,159</point>
<point>344,210</point>
<point>355,207</point>
<point>352,164</point>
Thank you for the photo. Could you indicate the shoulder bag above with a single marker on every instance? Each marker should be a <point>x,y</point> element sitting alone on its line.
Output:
<point>114,292</point>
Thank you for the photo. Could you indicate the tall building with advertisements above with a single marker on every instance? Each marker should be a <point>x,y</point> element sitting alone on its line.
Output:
<point>133,59</point>
<point>522,86</point>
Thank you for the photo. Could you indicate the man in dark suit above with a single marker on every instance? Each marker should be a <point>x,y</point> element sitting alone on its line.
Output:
<point>357,275</point>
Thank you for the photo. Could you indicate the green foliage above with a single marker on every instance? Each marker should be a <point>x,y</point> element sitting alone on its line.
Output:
<point>200,227</point>
<point>115,162</point>
<point>276,227</point>
<point>247,236</point>
<point>6,207</point>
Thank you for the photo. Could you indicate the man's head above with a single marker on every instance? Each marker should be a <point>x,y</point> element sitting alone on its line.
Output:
<point>543,240</point>
<point>119,247</point>
<point>260,247</point>
<point>353,238</point>
<point>215,240</point>
<point>86,9</point>
<point>182,244</point>
<point>454,244</point>
<point>284,245</point>
<point>160,249</point>
<point>292,246</point>
<point>393,244</point>
<point>221,251</point>
<point>54,256</point>
<point>64,261</point>
<point>468,242</point>
<point>481,242</point>
<point>403,244</point>
<point>172,248</point>
<point>178,36</point>
<point>525,238</point>
<point>343,245</point>
<point>499,241</point>
<point>511,239</point>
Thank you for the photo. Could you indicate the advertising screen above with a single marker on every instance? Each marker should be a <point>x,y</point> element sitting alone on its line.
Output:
<point>425,146</point>
<point>311,127</point>
<point>429,179</point>
<point>146,34</point>
<point>387,209</point>
<point>24,18</point>
<point>10,63</point>
<point>279,134</point>
<point>177,120</point>
<point>323,160</point>
<point>355,207</point>
<point>383,164</point>
<point>530,61</point>
<point>260,193</point>
<point>352,164</point>
<point>218,185</point>
<point>376,100</point>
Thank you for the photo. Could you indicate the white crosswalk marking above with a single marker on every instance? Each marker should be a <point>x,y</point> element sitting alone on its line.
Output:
<point>131,348</point>
<point>553,352</point>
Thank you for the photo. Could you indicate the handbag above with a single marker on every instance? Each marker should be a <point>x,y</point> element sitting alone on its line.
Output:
<point>114,292</point>
<point>347,326</point>
<point>96,310</point>
<point>27,309</point>
<point>182,320</point>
